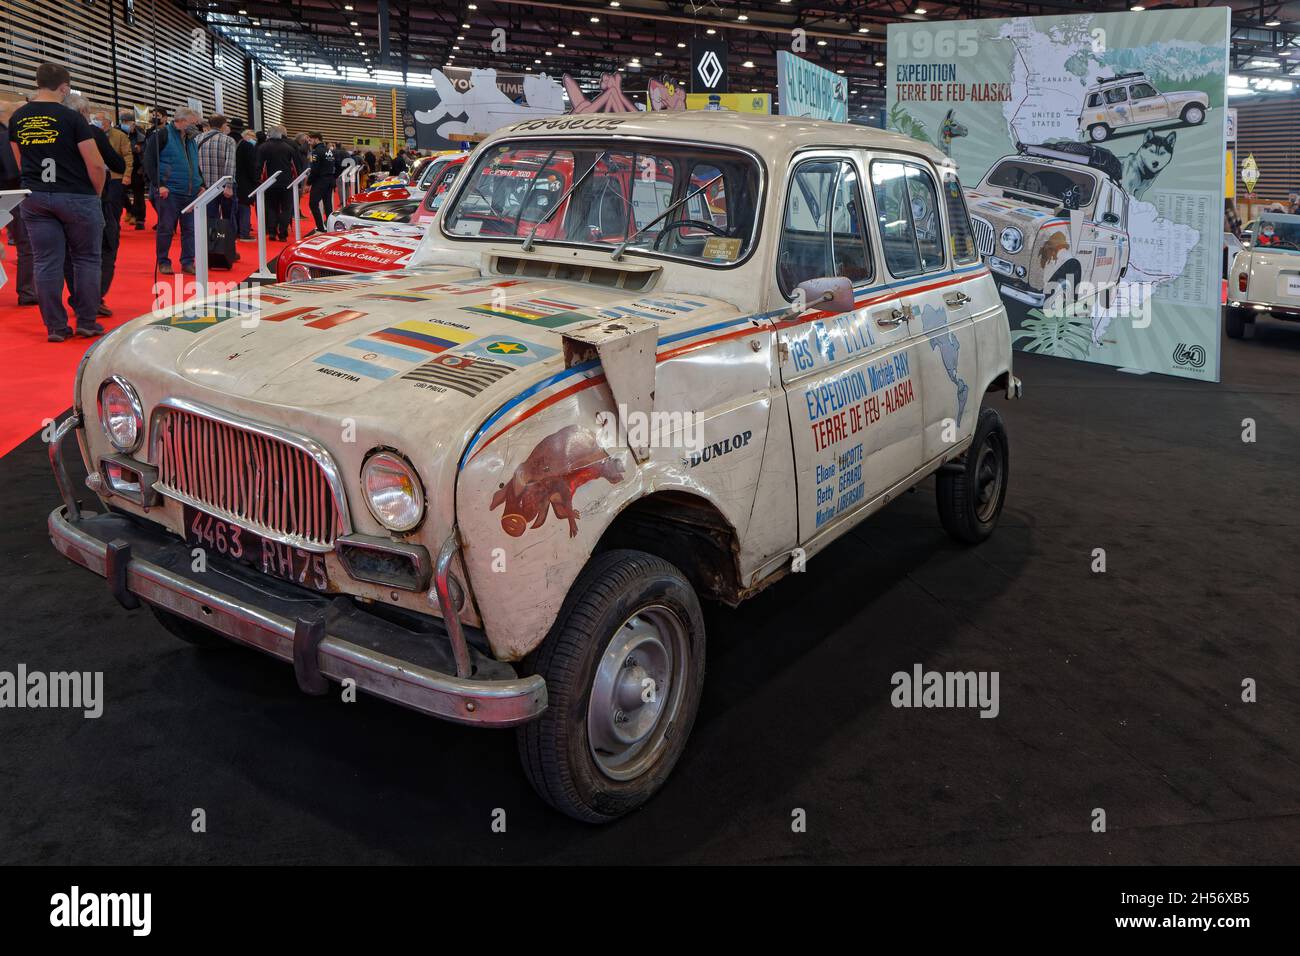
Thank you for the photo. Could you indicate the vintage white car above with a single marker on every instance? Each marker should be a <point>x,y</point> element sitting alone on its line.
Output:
<point>1050,221</point>
<point>495,486</point>
<point>1130,99</point>
<point>1265,275</point>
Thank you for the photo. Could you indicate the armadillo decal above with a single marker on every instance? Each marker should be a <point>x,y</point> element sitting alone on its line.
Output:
<point>558,466</point>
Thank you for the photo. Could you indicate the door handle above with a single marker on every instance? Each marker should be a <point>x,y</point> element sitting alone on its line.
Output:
<point>893,318</point>
<point>956,299</point>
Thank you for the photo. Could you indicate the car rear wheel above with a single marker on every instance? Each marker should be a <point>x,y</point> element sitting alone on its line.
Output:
<point>624,667</point>
<point>971,491</point>
<point>1235,321</point>
<point>1099,133</point>
<point>188,631</point>
<point>1193,115</point>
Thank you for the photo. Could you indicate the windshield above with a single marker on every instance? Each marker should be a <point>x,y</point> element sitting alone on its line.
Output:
<point>1278,232</point>
<point>1037,179</point>
<point>515,186</point>
<point>437,189</point>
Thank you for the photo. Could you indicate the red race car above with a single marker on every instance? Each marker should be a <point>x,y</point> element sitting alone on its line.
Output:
<point>379,248</point>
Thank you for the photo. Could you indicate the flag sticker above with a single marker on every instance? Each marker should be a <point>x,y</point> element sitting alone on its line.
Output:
<point>357,366</point>
<point>548,313</point>
<point>429,336</point>
<point>517,352</point>
<point>197,319</point>
<point>462,373</point>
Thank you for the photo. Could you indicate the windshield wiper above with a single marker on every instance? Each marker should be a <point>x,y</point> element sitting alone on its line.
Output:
<point>618,253</point>
<point>528,243</point>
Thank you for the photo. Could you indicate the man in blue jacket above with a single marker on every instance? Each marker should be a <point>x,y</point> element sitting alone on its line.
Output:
<point>171,161</point>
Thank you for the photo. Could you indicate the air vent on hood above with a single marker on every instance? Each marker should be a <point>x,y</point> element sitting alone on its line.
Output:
<point>633,281</point>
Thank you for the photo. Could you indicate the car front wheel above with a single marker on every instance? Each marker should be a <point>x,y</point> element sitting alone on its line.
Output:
<point>1099,133</point>
<point>971,491</point>
<point>624,667</point>
<point>1193,115</point>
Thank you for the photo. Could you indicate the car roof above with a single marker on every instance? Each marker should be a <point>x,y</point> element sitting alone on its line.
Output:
<point>765,134</point>
<point>1120,78</point>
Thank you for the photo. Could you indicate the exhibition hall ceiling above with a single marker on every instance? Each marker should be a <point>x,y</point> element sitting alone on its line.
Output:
<point>338,39</point>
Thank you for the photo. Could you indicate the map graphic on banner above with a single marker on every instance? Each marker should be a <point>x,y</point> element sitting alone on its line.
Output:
<point>1090,148</point>
<point>805,89</point>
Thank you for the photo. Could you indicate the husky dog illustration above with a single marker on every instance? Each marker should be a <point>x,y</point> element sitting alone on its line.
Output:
<point>949,130</point>
<point>1143,166</point>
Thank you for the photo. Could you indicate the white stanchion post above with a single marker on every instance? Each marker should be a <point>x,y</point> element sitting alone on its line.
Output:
<point>297,204</point>
<point>350,177</point>
<point>9,200</point>
<point>263,272</point>
<point>200,209</point>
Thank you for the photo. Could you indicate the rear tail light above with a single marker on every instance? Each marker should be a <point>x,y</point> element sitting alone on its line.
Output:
<point>1241,282</point>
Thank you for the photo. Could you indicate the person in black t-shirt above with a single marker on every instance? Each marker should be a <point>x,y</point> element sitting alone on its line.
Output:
<point>321,179</point>
<point>61,164</point>
<point>10,179</point>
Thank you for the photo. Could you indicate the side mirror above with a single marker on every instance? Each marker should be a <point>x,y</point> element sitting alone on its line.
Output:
<point>1110,219</point>
<point>830,294</point>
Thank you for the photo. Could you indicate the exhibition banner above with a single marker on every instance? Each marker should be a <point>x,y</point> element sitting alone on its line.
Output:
<point>736,102</point>
<point>361,106</point>
<point>708,65</point>
<point>466,104</point>
<point>805,89</point>
<point>1091,152</point>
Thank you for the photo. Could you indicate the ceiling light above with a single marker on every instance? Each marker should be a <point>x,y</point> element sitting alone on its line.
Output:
<point>742,17</point>
<point>821,42</point>
<point>560,45</point>
<point>347,6</point>
<point>710,31</point>
<point>1137,8</point>
<point>880,63</point>
<point>1270,22</point>
<point>748,64</point>
<point>595,19</point>
<point>864,29</point>
<point>613,3</point>
<point>356,33</point>
<point>472,6</point>
<point>658,53</point>
<point>920,11</point>
<point>840,72</point>
<point>1284,53</point>
<point>576,33</point>
<point>681,46</point>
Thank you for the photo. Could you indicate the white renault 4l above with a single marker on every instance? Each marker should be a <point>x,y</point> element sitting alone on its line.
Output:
<point>495,486</point>
<point>1265,275</point>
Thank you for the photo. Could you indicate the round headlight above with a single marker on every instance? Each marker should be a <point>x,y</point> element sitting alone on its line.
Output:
<point>297,273</point>
<point>121,414</point>
<point>393,491</point>
<point>1011,239</point>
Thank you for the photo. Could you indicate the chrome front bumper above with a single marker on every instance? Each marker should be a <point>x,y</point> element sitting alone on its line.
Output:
<point>325,637</point>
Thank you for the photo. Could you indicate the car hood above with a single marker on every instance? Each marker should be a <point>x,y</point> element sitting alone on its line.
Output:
<point>377,343</point>
<point>1003,211</point>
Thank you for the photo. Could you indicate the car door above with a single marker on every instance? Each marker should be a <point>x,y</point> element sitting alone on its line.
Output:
<point>854,404</point>
<point>1117,109</point>
<point>1109,252</point>
<point>1148,104</point>
<point>942,297</point>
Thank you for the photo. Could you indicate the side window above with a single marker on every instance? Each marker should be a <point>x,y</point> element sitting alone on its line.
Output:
<point>1142,91</point>
<point>908,210</point>
<point>824,232</point>
<point>960,233</point>
<point>1094,99</point>
<point>1117,94</point>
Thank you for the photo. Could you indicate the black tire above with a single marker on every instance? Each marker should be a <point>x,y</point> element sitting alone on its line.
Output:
<point>1099,132</point>
<point>970,495</point>
<point>558,750</point>
<point>1190,110</point>
<point>189,632</point>
<point>1234,322</point>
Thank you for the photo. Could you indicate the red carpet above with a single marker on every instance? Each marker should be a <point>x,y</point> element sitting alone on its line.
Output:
<point>38,374</point>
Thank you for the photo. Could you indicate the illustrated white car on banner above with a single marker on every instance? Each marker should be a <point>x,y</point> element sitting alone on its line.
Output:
<point>494,486</point>
<point>1130,99</point>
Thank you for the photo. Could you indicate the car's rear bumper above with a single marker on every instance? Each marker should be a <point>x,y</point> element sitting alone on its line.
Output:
<point>324,636</point>
<point>1288,313</point>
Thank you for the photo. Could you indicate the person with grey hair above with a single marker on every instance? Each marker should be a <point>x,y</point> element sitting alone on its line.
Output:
<point>277,155</point>
<point>246,181</point>
<point>171,161</point>
<point>11,178</point>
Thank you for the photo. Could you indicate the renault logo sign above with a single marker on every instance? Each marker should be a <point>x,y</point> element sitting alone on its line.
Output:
<point>710,69</point>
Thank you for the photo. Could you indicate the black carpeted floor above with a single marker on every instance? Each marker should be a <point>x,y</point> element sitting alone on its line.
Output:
<point>1119,691</point>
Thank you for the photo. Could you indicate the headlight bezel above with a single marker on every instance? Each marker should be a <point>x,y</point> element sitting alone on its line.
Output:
<point>306,275</point>
<point>392,457</point>
<point>137,410</point>
<point>1019,243</point>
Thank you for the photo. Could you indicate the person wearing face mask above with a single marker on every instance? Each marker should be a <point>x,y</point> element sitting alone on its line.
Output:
<point>171,161</point>
<point>133,185</point>
<point>65,171</point>
<point>1267,236</point>
<point>246,181</point>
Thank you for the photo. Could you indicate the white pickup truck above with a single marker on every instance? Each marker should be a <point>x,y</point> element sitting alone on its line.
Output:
<point>495,486</point>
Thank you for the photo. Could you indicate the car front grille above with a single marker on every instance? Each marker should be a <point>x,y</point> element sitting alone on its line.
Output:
<point>983,235</point>
<point>271,485</point>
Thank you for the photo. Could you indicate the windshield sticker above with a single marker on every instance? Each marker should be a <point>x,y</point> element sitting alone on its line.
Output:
<point>721,249</point>
<point>568,123</point>
<point>468,227</point>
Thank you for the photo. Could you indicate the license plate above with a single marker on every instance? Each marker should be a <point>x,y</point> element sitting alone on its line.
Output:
<point>1288,286</point>
<point>271,557</point>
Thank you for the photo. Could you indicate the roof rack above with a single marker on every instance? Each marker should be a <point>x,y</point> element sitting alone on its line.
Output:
<point>1120,76</point>
<point>1082,154</point>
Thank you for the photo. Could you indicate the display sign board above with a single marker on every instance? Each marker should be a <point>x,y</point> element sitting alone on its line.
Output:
<point>805,89</point>
<point>467,104</point>
<point>708,65</point>
<point>737,102</point>
<point>1091,154</point>
<point>361,106</point>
